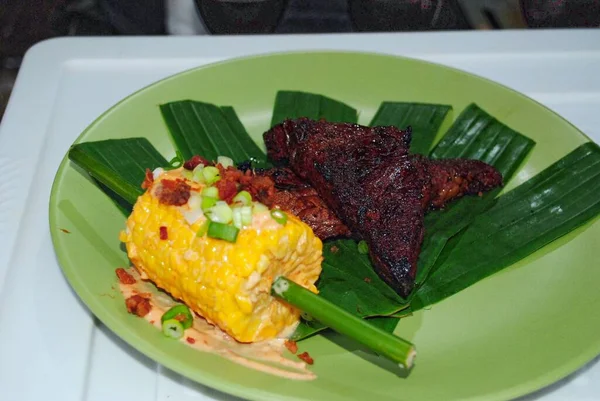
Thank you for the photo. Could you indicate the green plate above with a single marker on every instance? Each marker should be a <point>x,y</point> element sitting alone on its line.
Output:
<point>508,335</point>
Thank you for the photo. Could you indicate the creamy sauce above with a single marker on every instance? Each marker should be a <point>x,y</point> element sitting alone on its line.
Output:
<point>264,221</point>
<point>265,356</point>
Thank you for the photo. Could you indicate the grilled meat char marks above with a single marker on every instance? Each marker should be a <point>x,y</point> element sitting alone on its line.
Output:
<point>386,209</point>
<point>303,142</point>
<point>375,187</point>
<point>453,178</point>
<point>294,195</point>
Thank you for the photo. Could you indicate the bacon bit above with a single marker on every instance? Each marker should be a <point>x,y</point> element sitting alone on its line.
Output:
<point>64,230</point>
<point>227,190</point>
<point>164,235</point>
<point>306,358</point>
<point>174,192</point>
<point>367,280</point>
<point>190,340</point>
<point>124,277</point>
<point>230,173</point>
<point>291,346</point>
<point>334,249</point>
<point>261,188</point>
<point>195,161</point>
<point>138,305</point>
<point>148,179</point>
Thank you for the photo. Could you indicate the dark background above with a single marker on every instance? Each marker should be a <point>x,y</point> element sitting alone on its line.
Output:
<point>26,22</point>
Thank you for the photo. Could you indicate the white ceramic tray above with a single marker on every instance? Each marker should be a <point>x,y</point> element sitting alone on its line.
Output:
<point>51,347</point>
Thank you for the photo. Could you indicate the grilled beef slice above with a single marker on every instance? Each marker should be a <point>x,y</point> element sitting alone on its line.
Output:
<point>379,191</point>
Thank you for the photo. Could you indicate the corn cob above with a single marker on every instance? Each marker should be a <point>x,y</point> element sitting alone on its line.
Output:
<point>226,283</point>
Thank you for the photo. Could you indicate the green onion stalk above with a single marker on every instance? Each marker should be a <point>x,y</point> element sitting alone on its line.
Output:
<point>383,343</point>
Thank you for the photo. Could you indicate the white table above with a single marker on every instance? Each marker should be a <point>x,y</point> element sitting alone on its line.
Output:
<point>51,347</point>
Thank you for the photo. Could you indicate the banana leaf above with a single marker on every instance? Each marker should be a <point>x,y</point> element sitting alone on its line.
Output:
<point>199,128</point>
<point>343,266</point>
<point>295,104</point>
<point>425,120</point>
<point>384,322</point>
<point>561,198</point>
<point>474,135</point>
<point>121,169</point>
<point>118,164</point>
<point>468,137</point>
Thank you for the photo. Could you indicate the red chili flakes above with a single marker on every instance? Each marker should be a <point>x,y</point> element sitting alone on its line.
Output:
<point>64,230</point>
<point>291,346</point>
<point>306,358</point>
<point>138,305</point>
<point>195,161</point>
<point>164,235</point>
<point>227,190</point>
<point>190,340</point>
<point>367,280</point>
<point>124,277</point>
<point>148,179</point>
<point>173,192</point>
<point>480,194</point>
<point>334,249</point>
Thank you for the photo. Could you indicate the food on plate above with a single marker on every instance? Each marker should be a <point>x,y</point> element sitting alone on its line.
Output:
<point>297,197</point>
<point>198,219</point>
<point>173,319</point>
<point>381,192</point>
<point>199,233</point>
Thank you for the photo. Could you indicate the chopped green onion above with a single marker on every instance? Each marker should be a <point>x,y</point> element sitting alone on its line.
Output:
<point>211,192</point>
<point>383,343</point>
<point>176,162</point>
<point>237,216</point>
<point>363,247</point>
<point>195,201</point>
<point>203,229</point>
<point>211,174</point>
<point>181,313</point>
<point>187,174</point>
<point>258,207</point>
<point>172,328</point>
<point>246,212</point>
<point>243,197</point>
<point>221,213</point>
<point>192,216</point>
<point>157,172</point>
<point>197,174</point>
<point>208,202</point>
<point>222,231</point>
<point>225,161</point>
<point>279,216</point>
